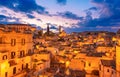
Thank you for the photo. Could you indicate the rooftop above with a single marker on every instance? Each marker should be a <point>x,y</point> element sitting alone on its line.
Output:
<point>95,54</point>
<point>108,63</point>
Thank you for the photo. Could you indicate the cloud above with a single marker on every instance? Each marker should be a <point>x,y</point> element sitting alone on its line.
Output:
<point>2,17</point>
<point>35,18</point>
<point>70,15</point>
<point>56,19</point>
<point>103,14</point>
<point>62,2</point>
<point>93,9</point>
<point>108,8</point>
<point>22,5</point>
<point>30,16</point>
<point>28,12</point>
<point>108,14</point>
<point>81,29</point>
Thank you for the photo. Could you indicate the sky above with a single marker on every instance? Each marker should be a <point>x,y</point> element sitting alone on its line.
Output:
<point>72,15</point>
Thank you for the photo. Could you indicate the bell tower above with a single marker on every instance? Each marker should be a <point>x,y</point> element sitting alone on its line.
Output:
<point>48,29</point>
<point>60,29</point>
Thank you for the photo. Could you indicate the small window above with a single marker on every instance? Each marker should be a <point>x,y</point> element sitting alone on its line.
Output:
<point>108,70</point>
<point>23,41</point>
<point>13,42</point>
<point>22,53</point>
<point>112,72</point>
<point>99,67</point>
<point>26,65</point>
<point>4,57</point>
<point>12,55</point>
<point>29,51</point>
<point>89,64</point>
<point>14,70</point>
<point>22,66</point>
<point>0,40</point>
<point>84,64</point>
<point>6,74</point>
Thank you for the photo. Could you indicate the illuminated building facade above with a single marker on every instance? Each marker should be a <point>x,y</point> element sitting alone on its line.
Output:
<point>118,56</point>
<point>16,48</point>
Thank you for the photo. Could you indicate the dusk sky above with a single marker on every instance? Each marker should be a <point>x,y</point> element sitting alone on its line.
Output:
<point>72,15</point>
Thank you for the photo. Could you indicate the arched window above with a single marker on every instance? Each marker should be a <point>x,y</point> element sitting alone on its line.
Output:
<point>13,42</point>
<point>89,64</point>
<point>14,70</point>
<point>4,57</point>
<point>108,70</point>
<point>26,65</point>
<point>29,52</point>
<point>6,74</point>
<point>12,55</point>
<point>22,53</point>
<point>23,41</point>
<point>1,40</point>
<point>22,66</point>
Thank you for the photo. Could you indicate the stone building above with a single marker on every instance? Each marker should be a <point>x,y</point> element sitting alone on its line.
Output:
<point>16,48</point>
<point>118,56</point>
<point>107,68</point>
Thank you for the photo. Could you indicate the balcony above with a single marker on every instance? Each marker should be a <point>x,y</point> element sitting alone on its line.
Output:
<point>12,63</point>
